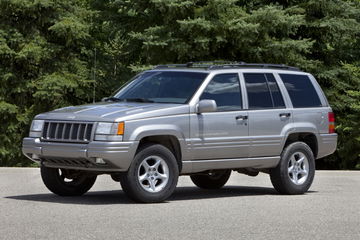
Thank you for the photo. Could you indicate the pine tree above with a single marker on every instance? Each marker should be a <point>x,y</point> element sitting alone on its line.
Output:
<point>44,64</point>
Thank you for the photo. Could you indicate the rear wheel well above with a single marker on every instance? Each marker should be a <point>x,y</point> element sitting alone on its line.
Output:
<point>308,138</point>
<point>168,141</point>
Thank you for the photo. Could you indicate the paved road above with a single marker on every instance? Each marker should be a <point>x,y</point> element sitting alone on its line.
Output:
<point>247,208</point>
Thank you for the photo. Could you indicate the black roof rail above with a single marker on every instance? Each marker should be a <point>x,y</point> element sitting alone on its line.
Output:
<point>199,64</point>
<point>226,65</point>
<point>171,66</point>
<point>254,65</point>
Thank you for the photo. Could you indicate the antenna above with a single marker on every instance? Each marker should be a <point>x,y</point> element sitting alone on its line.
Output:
<point>94,76</point>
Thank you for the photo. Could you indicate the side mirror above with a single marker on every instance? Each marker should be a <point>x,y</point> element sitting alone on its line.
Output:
<point>206,105</point>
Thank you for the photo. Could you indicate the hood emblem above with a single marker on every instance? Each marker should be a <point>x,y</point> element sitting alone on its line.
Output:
<point>70,117</point>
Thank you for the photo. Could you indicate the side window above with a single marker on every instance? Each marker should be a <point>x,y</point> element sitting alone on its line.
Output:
<point>277,98</point>
<point>225,90</point>
<point>263,91</point>
<point>301,90</point>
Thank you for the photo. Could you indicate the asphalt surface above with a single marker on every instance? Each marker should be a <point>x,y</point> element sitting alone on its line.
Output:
<point>246,208</point>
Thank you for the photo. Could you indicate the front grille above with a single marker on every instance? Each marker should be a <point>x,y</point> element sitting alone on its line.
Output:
<point>67,131</point>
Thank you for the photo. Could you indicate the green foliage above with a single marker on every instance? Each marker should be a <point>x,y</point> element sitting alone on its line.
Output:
<point>47,49</point>
<point>348,95</point>
<point>44,63</point>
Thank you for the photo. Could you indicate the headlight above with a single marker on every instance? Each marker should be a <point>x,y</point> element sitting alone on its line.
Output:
<point>37,125</point>
<point>36,128</point>
<point>109,131</point>
<point>105,128</point>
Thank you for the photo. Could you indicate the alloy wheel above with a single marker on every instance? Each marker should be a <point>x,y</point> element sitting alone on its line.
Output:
<point>298,168</point>
<point>153,174</point>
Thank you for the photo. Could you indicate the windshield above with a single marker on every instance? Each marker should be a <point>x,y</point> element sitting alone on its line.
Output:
<point>161,87</point>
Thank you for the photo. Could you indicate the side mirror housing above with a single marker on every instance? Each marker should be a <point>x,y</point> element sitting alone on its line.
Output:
<point>206,105</point>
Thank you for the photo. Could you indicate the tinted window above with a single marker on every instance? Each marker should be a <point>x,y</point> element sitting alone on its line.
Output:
<point>225,90</point>
<point>263,91</point>
<point>258,91</point>
<point>163,87</point>
<point>277,98</point>
<point>301,90</point>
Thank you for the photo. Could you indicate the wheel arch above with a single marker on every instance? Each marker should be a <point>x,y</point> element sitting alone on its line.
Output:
<point>171,142</point>
<point>307,137</point>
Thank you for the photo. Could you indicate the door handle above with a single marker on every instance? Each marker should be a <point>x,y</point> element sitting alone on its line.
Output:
<point>241,117</point>
<point>284,115</point>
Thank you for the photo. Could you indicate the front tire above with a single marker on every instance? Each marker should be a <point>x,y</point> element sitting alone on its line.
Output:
<point>211,180</point>
<point>152,176</point>
<point>67,182</point>
<point>295,171</point>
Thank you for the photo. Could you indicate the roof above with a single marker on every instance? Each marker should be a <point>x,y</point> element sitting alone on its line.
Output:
<point>216,65</point>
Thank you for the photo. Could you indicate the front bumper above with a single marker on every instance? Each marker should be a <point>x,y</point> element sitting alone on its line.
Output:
<point>116,155</point>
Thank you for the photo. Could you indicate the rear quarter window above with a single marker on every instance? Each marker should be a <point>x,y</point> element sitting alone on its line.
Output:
<point>301,91</point>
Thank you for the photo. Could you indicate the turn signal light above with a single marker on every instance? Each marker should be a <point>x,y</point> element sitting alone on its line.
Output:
<point>120,130</point>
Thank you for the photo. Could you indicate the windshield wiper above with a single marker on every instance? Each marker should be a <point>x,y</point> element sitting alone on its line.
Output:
<point>144,100</point>
<point>112,99</point>
<point>115,99</point>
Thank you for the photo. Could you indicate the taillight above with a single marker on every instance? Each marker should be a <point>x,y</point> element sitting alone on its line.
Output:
<point>331,117</point>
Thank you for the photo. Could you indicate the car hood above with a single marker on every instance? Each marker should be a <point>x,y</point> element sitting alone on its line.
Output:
<point>114,112</point>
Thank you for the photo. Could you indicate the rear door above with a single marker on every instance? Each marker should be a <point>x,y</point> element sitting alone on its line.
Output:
<point>268,114</point>
<point>224,133</point>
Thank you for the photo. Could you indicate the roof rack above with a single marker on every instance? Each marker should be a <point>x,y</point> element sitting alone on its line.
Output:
<point>226,65</point>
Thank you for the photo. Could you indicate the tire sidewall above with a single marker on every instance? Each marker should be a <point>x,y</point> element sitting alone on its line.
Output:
<point>208,182</point>
<point>288,152</point>
<point>132,184</point>
<point>55,184</point>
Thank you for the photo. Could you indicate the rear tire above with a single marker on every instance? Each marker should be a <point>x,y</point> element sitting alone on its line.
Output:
<point>296,170</point>
<point>152,176</point>
<point>211,180</point>
<point>116,176</point>
<point>66,182</point>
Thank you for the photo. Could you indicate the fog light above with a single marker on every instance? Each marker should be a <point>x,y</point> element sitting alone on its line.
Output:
<point>35,157</point>
<point>100,161</point>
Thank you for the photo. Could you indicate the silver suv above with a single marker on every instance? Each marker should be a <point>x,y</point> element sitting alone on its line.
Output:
<point>192,119</point>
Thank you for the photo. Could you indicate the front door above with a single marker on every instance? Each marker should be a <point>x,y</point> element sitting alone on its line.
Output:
<point>224,133</point>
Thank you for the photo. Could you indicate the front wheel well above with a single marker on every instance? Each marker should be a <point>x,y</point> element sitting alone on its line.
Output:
<point>308,138</point>
<point>168,141</point>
